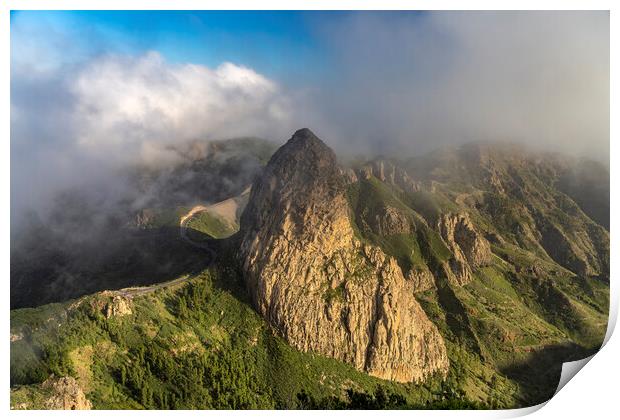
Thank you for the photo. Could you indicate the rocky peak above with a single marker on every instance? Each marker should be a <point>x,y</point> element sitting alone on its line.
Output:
<point>305,155</point>
<point>316,284</point>
<point>305,139</point>
<point>302,171</point>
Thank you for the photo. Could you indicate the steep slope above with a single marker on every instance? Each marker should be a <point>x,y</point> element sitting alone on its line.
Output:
<point>522,197</point>
<point>318,285</point>
<point>508,266</point>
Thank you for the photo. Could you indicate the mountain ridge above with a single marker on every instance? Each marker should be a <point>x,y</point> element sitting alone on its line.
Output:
<point>441,276</point>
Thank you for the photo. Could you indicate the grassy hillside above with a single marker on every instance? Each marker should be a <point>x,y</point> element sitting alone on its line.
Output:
<point>195,345</point>
<point>523,314</point>
<point>212,225</point>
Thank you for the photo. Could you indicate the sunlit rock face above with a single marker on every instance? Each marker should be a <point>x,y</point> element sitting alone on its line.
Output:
<point>470,250</point>
<point>317,284</point>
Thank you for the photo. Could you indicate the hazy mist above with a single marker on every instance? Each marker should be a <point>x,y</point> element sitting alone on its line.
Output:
<point>415,83</point>
<point>395,84</point>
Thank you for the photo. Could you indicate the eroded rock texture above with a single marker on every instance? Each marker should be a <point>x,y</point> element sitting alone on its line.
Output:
<point>66,394</point>
<point>469,248</point>
<point>119,306</point>
<point>317,284</point>
<point>389,221</point>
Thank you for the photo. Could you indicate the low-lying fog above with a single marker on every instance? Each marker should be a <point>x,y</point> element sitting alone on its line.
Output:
<point>113,128</point>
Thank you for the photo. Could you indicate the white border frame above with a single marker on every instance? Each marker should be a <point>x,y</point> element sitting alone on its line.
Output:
<point>593,394</point>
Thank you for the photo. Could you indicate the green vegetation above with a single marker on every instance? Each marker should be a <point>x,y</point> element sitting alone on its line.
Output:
<point>434,248</point>
<point>211,224</point>
<point>417,249</point>
<point>198,345</point>
<point>429,205</point>
<point>510,328</point>
<point>29,396</point>
<point>374,194</point>
<point>403,247</point>
<point>334,293</point>
<point>168,217</point>
<point>381,399</point>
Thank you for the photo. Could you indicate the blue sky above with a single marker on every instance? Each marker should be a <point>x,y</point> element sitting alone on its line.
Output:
<point>281,44</point>
<point>447,76</point>
<point>292,46</point>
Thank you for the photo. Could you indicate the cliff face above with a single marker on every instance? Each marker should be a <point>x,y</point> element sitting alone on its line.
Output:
<point>469,249</point>
<point>319,286</point>
<point>119,306</point>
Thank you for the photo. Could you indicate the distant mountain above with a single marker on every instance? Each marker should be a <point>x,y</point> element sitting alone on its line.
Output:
<point>459,279</point>
<point>207,172</point>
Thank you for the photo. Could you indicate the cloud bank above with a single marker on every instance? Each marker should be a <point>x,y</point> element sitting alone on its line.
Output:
<point>395,83</point>
<point>81,127</point>
<point>140,105</point>
<point>541,78</point>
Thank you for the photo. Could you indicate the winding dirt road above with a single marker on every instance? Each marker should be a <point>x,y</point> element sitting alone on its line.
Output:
<point>183,230</point>
<point>227,209</point>
<point>130,292</point>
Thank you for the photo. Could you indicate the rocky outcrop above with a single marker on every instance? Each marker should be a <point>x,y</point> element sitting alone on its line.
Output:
<point>119,306</point>
<point>389,221</point>
<point>469,248</point>
<point>456,270</point>
<point>66,394</point>
<point>421,278</point>
<point>144,219</point>
<point>17,336</point>
<point>584,251</point>
<point>544,204</point>
<point>389,173</point>
<point>349,175</point>
<point>316,284</point>
<point>384,170</point>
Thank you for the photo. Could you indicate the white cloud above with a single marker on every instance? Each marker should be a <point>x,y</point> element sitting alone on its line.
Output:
<point>76,126</point>
<point>136,105</point>
<point>395,84</point>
